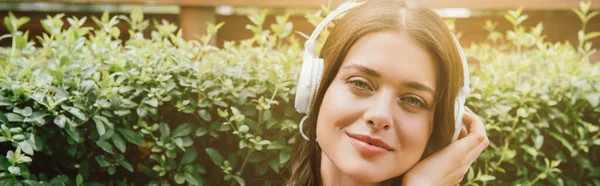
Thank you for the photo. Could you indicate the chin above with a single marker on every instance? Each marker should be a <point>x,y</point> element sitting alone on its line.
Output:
<point>369,177</point>
<point>367,172</point>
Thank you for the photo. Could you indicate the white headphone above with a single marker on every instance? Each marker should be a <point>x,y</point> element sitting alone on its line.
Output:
<point>312,70</point>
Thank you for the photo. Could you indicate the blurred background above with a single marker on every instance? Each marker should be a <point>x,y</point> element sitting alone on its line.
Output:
<point>560,23</point>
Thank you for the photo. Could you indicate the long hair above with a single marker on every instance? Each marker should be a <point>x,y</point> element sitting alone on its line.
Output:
<point>422,25</point>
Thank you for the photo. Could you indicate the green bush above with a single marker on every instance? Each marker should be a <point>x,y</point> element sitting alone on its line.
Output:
<point>87,108</point>
<point>540,103</point>
<point>160,110</point>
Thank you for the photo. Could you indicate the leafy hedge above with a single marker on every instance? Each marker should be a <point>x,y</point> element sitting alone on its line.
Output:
<point>540,103</point>
<point>159,109</point>
<point>89,109</point>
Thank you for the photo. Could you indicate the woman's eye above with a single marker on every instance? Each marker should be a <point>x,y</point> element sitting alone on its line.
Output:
<point>414,102</point>
<point>359,84</point>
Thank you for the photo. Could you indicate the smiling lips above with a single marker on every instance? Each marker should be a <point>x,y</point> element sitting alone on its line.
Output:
<point>368,145</point>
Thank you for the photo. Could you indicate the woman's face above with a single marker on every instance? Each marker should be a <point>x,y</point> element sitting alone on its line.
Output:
<point>377,115</point>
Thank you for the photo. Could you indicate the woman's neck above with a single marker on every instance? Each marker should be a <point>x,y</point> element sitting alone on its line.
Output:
<point>332,176</point>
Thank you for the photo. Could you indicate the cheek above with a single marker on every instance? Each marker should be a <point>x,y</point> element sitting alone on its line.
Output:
<point>338,107</point>
<point>415,131</point>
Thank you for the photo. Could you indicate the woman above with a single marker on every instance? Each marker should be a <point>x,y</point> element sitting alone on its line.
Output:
<point>383,111</point>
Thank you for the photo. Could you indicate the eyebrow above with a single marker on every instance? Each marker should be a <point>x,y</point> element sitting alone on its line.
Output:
<point>364,69</point>
<point>418,86</point>
<point>411,84</point>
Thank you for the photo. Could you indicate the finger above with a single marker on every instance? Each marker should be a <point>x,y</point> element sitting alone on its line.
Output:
<point>474,124</point>
<point>463,133</point>
<point>475,152</point>
<point>465,145</point>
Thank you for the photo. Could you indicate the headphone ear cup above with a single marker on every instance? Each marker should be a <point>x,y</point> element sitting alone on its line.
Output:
<point>303,88</point>
<point>317,73</point>
<point>458,115</point>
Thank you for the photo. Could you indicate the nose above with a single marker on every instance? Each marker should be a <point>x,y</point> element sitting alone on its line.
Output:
<point>379,112</point>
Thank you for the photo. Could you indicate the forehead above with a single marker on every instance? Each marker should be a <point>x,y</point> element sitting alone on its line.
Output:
<point>394,55</point>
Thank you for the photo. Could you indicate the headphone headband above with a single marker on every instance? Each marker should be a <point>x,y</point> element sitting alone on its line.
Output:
<point>309,46</point>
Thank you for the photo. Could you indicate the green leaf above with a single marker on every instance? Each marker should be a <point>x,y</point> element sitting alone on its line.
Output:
<point>73,132</point>
<point>75,111</point>
<point>179,178</point>
<point>105,146</point>
<point>125,164</point>
<point>264,142</point>
<point>26,147</point>
<point>470,174</point>
<point>223,113</point>
<point>137,15</point>
<point>485,178</point>
<point>125,89</point>
<point>24,159</point>
<point>22,20</point>
<point>564,142</point>
<point>201,132</point>
<point>206,116</point>
<point>14,170</point>
<point>59,180</point>
<point>79,180</point>
<point>240,180</point>
<point>593,98</point>
<point>5,101</point>
<point>597,141</point>
<point>102,161</point>
<point>112,169</point>
<point>277,144</point>
<point>274,165</point>
<point>14,117</point>
<point>164,129</point>
<point>189,156</point>
<point>122,112</point>
<point>10,155</point>
<point>193,180</point>
<point>182,130</point>
<point>3,118</point>
<point>533,152</point>
<point>284,156</point>
<point>539,141</point>
<point>119,143</point>
<point>20,41</point>
<point>216,158</point>
<point>133,137</point>
<point>60,121</point>
<point>152,102</point>
<point>243,128</point>
<point>256,157</point>
<point>19,137</point>
<point>99,126</point>
<point>33,183</point>
<point>178,142</point>
<point>10,181</point>
<point>16,130</point>
<point>8,22</point>
<point>235,111</point>
<point>36,118</point>
<point>592,35</point>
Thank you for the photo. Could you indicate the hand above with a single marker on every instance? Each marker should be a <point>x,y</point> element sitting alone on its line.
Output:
<point>449,165</point>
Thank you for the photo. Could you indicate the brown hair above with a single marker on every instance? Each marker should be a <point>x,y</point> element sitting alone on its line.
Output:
<point>421,24</point>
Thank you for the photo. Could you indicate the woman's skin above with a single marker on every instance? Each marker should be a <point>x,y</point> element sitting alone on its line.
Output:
<point>385,90</point>
<point>449,165</point>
